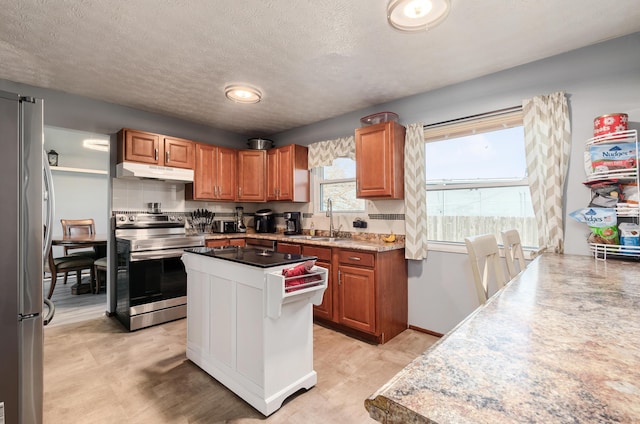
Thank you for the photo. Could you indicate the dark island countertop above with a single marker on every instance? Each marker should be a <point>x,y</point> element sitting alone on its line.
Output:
<point>559,344</point>
<point>253,257</point>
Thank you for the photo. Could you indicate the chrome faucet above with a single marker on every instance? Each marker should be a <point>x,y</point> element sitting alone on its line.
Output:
<point>330,215</point>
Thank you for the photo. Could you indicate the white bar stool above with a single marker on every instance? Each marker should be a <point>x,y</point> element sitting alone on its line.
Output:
<point>513,252</point>
<point>484,256</point>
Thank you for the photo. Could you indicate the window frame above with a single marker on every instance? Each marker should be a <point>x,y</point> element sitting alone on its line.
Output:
<point>318,180</point>
<point>484,123</point>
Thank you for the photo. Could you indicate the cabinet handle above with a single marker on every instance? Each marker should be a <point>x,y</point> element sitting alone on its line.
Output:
<point>239,191</point>
<point>354,258</point>
<point>155,153</point>
<point>166,157</point>
<point>215,191</point>
<point>339,277</point>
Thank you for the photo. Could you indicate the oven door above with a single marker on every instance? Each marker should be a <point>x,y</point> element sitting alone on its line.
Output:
<point>151,286</point>
<point>156,276</point>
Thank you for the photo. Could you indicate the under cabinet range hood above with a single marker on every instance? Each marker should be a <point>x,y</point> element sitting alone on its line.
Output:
<point>156,172</point>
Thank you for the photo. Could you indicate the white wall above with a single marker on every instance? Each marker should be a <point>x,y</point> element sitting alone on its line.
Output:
<point>78,195</point>
<point>600,79</point>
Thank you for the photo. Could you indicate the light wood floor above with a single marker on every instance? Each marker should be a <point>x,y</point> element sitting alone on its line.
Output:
<point>96,372</point>
<point>74,308</point>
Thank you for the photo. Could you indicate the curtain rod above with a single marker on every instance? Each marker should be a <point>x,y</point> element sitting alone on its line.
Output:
<point>480,115</point>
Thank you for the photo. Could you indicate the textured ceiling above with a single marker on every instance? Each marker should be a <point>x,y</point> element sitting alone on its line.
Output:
<point>312,59</point>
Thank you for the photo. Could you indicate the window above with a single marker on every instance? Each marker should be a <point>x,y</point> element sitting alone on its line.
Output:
<point>338,182</point>
<point>476,179</point>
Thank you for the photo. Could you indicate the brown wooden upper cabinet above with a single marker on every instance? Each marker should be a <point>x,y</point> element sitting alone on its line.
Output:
<point>251,172</point>
<point>155,149</point>
<point>214,174</point>
<point>288,173</point>
<point>380,161</point>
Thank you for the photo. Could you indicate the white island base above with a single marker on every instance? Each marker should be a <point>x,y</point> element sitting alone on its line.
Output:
<point>245,330</point>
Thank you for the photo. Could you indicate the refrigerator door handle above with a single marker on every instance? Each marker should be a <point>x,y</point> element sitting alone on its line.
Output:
<point>50,202</point>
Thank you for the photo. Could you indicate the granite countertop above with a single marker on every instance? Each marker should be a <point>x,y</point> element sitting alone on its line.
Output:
<point>559,344</point>
<point>373,244</point>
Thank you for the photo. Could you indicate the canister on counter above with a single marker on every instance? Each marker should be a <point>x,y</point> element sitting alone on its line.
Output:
<point>607,124</point>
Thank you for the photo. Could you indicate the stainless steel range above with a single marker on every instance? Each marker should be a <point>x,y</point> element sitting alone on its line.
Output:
<point>151,282</point>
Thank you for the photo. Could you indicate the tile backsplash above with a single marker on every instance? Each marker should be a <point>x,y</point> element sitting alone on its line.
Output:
<point>382,217</point>
<point>131,194</point>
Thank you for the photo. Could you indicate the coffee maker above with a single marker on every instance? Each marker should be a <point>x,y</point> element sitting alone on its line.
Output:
<point>264,221</point>
<point>292,223</point>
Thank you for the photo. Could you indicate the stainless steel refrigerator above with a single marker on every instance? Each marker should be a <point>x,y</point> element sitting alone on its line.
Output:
<point>23,188</point>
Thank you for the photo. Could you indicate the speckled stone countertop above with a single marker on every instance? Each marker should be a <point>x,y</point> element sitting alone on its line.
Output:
<point>559,344</point>
<point>372,243</point>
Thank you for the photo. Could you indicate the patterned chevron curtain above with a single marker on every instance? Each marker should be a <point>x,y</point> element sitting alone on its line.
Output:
<point>415,203</point>
<point>323,153</point>
<point>547,139</point>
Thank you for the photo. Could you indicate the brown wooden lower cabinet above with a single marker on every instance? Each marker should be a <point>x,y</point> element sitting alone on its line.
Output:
<point>367,295</point>
<point>356,291</point>
<point>325,309</point>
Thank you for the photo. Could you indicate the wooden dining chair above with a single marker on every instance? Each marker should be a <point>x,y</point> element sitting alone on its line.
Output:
<point>484,256</point>
<point>68,264</point>
<point>72,227</point>
<point>513,252</point>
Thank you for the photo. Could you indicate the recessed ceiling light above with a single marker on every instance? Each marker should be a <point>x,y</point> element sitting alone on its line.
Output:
<point>242,94</point>
<point>417,15</point>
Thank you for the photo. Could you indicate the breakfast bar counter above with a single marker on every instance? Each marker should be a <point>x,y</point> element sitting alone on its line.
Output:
<point>559,344</point>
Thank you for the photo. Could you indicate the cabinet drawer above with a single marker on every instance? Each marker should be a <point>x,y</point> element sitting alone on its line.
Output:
<point>323,253</point>
<point>354,257</point>
<point>288,248</point>
<point>217,243</point>
<point>237,242</point>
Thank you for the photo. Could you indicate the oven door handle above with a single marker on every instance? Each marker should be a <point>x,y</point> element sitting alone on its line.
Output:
<point>156,254</point>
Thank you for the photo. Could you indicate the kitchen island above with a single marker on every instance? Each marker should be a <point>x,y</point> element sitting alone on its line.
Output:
<point>249,326</point>
<point>559,344</point>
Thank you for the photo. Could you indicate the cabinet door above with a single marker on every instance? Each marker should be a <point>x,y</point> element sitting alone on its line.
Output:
<point>288,248</point>
<point>288,174</point>
<point>178,153</point>
<point>251,175</point>
<point>272,174</point>
<point>204,181</point>
<point>141,147</point>
<point>380,161</point>
<point>285,173</point>
<point>225,173</point>
<point>356,288</point>
<point>325,309</point>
